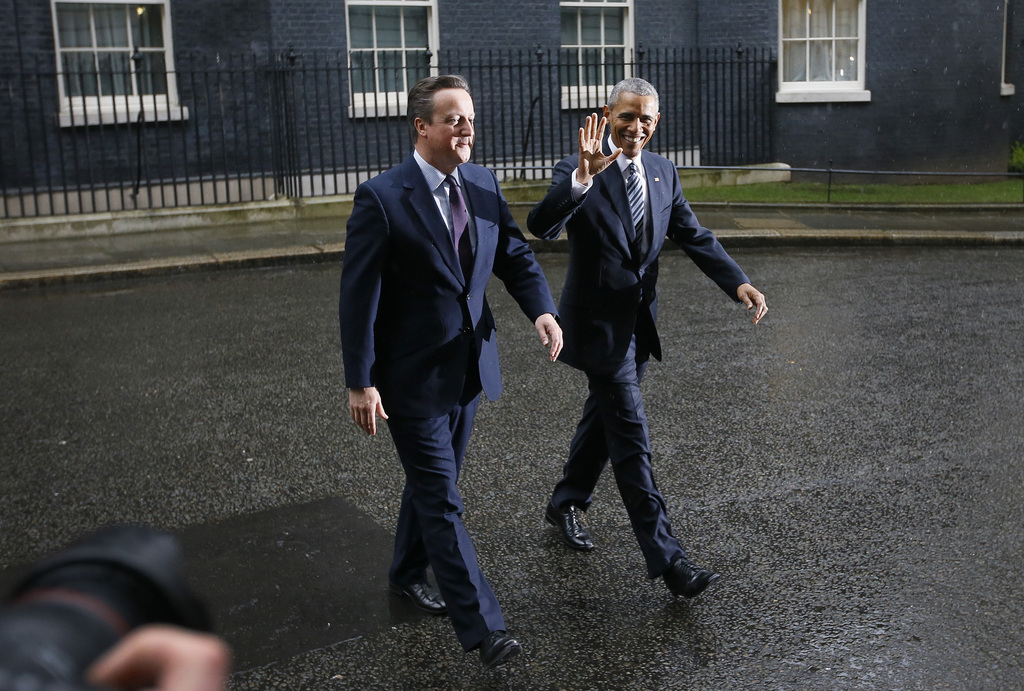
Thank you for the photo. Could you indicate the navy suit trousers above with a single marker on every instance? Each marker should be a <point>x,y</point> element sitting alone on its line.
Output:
<point>430,529</point>
<point>614,427</point>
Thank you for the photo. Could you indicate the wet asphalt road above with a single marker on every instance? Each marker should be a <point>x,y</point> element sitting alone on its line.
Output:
<point>853,466</point>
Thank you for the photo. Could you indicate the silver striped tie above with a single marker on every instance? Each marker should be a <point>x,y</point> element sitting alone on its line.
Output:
<point>636,197</point>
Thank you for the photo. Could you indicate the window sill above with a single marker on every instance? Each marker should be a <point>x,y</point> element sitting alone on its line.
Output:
<point>367,106</point>
<point>592,98</point>
<point>92,116</point>
<point>358,113</point>
<point>823,96</point>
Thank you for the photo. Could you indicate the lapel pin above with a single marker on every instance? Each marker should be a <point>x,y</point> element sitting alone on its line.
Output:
<point>657,179</point>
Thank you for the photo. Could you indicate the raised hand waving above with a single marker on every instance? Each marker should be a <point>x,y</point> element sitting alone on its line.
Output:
<point>592,158</point>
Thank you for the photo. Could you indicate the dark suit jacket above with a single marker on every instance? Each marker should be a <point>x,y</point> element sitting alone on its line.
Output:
<point>610,292</point>
<point>409,318</point>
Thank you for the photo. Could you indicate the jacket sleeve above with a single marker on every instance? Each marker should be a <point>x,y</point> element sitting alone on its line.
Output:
<point>548,218</point>
<point>366,247</point>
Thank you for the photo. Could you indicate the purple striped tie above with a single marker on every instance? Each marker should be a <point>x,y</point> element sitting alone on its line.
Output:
<point>460,224</point>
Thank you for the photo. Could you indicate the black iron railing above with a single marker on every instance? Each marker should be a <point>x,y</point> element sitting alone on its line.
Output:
<point>250,128</point>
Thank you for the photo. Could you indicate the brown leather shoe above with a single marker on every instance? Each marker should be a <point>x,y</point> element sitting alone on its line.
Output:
<point>423,595</point>
<point>567,520</point>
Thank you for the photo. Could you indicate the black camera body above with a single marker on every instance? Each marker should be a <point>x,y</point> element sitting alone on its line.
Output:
<point>75,605</point>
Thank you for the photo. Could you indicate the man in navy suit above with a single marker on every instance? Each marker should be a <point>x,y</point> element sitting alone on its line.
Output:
<point>418,342</point>
<point>618,207</point>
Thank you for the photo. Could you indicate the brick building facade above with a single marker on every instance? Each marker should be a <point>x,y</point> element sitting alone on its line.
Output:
<point>917,85</point>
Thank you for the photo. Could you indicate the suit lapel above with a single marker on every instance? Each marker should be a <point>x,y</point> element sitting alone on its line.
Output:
<point>475,204</point>
<point>424,208</point>
<point>486,214</point>
<point>659,190</point>
<point>613,188</point>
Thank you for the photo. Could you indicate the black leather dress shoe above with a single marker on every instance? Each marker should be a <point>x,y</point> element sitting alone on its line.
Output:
<point>498,648</point>
<point>567,520</point>
<point>425,596</point>
<point>687,579</point>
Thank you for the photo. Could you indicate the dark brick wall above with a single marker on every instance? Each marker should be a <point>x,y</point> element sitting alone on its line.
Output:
<point>935,103</point>
<point>229,27</point>
<point>666,23</point>
<point>730,22</point>
<point>933,71</point>
<point>27,24</point>
<point>1015,73</point>
<point>308,25</point>
<point>498,24</point>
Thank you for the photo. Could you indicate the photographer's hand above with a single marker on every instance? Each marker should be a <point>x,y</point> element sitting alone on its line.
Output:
<point>164,658</point>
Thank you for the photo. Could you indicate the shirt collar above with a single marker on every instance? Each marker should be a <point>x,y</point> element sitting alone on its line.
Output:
<point>434,176</point>
<point>624,162</point>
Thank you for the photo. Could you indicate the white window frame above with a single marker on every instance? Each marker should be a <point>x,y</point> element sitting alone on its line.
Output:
<point>830,91</point>
<point>379,104</point>
<point>589,96</point>
<point>79,111</point>
<point>1005,87</point>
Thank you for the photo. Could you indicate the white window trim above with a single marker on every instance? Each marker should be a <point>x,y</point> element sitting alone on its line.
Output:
<point>389,104</point>
<point>826,92</point>
<point>86,111</point>
<point>1005,87</point>
<point>592,96</point>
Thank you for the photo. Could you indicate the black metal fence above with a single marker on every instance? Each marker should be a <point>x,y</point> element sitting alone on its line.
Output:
<point>245,128</point>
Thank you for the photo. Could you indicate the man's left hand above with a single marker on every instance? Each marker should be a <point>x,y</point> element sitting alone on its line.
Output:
<point>550,334</point>
<point>753,298</point>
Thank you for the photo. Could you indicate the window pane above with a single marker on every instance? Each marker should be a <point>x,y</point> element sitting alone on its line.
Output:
<point>111,29</point>
<point>569,71</point>
<point>846,18</point>
<point>592,64</point>
<point>821,18</point>
<point>794,61</point>
<point>115,74</point>
<point>794,18</point>
<point>146,26</point>
<point>387,44</point>
<point>846,61</point>
<point>360,27</point>
<point>389,27</point>
<point>151,74</point>
<point>570,33</point>
<point>614,27</point>
<point>416,62</point>
<point>416,67</point>
<point>590,27</point>
<point>79,74</point>
<point>416,27</point>
<point>391,71</point>
<point>821,61</point>
<point>614,61</point>
<point>362,71</point>
<point>73,26</point>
